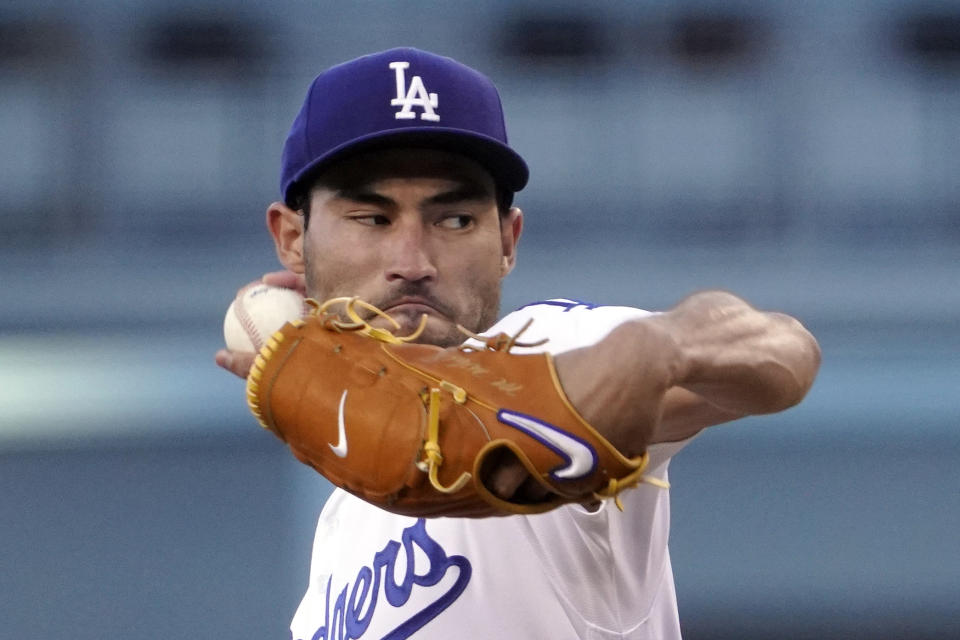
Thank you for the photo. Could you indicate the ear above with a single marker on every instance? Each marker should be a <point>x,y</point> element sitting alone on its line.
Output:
<point>510,230</point>
<point>286,227</point>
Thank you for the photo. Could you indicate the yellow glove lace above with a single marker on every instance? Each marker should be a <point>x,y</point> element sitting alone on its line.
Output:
<point>632,479</point>
<point>431,449</point>
<point>359,324</point>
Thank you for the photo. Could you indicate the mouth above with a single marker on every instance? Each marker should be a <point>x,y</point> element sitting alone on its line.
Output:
<point>412,306</point>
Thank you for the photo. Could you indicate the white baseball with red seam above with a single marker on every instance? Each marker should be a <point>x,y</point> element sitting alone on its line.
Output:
<point>256,313</point>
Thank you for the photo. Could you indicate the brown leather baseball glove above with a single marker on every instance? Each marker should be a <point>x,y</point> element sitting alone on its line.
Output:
<point>414,428</point>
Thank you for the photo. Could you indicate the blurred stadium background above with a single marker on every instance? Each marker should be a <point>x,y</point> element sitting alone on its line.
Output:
<point>803,154</point>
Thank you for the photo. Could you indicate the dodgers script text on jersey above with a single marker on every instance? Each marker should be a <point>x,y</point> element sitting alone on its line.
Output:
<point>389,580</point>
<point>566,574</point>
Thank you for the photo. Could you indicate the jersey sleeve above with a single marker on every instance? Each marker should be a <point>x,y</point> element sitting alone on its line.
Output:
<point>565,324</point>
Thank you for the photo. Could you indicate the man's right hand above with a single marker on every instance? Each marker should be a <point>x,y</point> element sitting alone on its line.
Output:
<point>239,362</point>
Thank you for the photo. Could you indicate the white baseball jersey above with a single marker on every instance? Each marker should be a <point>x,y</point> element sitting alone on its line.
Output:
<point>566,574</point>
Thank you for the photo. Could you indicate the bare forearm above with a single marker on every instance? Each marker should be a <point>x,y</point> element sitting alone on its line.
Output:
<point>711,359</point>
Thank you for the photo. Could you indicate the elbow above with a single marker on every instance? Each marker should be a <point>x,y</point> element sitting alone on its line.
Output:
<point>814,355</point>
<point>807,359</point>
<point>791,379</point>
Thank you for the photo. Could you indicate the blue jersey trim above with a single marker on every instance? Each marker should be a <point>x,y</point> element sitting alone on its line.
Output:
<point>566,303</point>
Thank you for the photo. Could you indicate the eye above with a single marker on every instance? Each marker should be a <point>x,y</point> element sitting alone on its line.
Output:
<point>372,219</point>
<point>458,221</point>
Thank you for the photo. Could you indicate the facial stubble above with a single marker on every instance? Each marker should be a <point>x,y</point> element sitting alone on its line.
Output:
<point>442,331</point>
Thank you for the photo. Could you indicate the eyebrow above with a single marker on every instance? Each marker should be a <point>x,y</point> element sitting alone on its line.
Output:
<point>363,195</point>
<point>464,192</point>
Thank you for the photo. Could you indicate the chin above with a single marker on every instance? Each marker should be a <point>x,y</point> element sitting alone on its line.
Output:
<point>439,332</point>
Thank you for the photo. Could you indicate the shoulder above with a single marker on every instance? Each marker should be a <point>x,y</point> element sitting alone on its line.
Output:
<point>566,324</point>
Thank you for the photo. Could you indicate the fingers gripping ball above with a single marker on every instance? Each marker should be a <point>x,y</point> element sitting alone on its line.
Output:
<point>256,312</point>
<point>414,428</point>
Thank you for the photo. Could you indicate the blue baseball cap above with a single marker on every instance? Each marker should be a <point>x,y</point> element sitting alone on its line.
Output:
<point>401,97</point>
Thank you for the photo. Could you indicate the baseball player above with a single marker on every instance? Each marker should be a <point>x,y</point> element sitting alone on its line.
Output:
<point>398,184</point>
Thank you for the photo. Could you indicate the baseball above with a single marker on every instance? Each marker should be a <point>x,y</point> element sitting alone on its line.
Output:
<point>256,313</point>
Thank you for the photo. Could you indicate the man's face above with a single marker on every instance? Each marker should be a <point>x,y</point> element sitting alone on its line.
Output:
<point>412,232</point>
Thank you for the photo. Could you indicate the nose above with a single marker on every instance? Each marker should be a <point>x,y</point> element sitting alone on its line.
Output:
<point>407,256</point>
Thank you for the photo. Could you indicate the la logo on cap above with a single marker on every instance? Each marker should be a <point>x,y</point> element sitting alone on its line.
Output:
<point>413,96</point>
